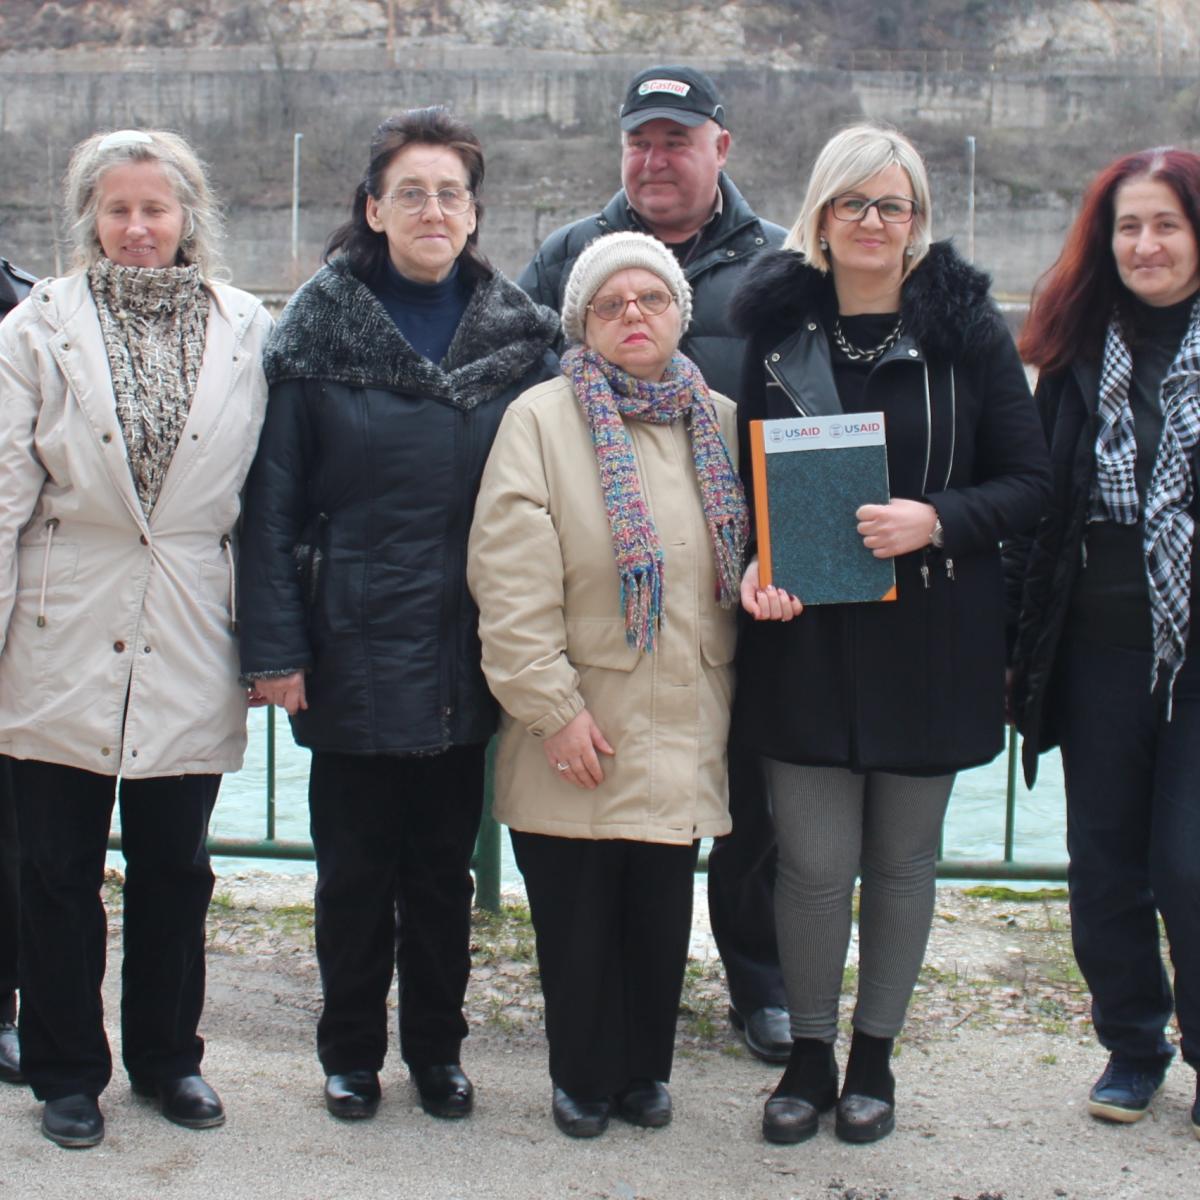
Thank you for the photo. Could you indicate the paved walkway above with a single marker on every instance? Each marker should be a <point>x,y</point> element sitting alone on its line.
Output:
<point>983,1114</point>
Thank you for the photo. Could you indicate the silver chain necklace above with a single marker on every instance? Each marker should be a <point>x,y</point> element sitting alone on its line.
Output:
<point>854,354</point>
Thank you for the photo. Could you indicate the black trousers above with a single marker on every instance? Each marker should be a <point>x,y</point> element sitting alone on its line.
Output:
<point>63,817</point>
<point>10,875</point>
<point>393,839</point>
<point>1133,833</point>
<point>741,891</point>
<point>613,919</point>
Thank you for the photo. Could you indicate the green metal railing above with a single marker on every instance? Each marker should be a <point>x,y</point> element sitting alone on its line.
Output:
<point>486,860</point>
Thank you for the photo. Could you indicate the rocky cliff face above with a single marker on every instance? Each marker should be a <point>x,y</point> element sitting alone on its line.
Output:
<point>781,32</point>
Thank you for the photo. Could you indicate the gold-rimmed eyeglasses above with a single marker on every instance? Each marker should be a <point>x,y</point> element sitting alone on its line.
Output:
<point>650,303</point>
<point>453,201</point>
<point>895,210</point>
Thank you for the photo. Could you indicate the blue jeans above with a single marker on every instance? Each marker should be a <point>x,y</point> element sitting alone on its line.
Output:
<point>1133,834</point>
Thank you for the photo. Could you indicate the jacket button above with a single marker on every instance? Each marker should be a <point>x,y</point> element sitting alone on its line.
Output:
<point>119,647</point>
<point>812,327</point>
<point>66,345</point>
<point>912,354</point>
<point>774,357</point>
<point>105,751</point>
<point>731,253</point>
<point>758,241</point>
<point>145,649</point>
<point>133,754</point>
<point>106,437</point>
<point>143,539</point>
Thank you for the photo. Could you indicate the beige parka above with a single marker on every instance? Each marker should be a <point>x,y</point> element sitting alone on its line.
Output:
<point>117,653</point>
<point>542,571</point>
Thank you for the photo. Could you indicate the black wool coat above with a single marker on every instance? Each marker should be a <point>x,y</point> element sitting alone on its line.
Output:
<point>358,506</point>
<point>916,685</point>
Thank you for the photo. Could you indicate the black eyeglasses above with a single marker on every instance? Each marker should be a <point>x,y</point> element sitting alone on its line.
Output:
<point>895,210</point>
<point>650,303</point>
<point>453,201</point>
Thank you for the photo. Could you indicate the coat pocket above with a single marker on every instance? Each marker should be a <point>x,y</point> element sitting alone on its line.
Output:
<point>718,639</point>
<point>600,642</point>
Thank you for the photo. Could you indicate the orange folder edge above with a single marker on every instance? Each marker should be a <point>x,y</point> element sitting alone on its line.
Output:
<point>762,515</point>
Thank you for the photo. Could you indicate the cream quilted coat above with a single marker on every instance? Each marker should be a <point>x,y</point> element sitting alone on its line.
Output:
<point>117,652</point>
<point>541,569</point>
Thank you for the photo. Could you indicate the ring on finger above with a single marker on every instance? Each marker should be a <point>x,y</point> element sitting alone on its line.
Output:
<point>562,766</point>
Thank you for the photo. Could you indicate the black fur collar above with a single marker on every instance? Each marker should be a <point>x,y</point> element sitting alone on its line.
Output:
<point>335,329</point>
<point>945,301</point>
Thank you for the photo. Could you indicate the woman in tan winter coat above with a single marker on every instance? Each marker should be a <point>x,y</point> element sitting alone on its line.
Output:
<point>604,559</point>
<point>131,398</point>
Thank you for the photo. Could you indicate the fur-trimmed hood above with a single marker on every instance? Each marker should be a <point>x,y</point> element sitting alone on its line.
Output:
<point>334,328</point>
<point>945,301</point>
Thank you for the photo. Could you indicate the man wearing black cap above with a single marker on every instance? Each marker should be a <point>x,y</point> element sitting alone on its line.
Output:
<point>14,287</point>
<point>674,146</point>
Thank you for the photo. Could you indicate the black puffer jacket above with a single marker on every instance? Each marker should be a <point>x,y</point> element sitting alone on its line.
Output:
<point>353,560</point>
<point>714,274</point>
<point>915,685</point>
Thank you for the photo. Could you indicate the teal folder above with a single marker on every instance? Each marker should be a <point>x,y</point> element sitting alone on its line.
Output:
<point>811,474</point>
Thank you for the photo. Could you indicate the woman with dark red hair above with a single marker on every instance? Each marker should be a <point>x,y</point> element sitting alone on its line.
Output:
<point>1103,665</point>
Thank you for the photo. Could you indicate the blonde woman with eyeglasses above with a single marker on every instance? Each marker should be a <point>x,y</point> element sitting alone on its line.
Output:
<point>863,713</point>
<point>389,372</point>
<point>131,398</point>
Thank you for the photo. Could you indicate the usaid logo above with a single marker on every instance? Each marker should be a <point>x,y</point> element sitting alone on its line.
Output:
<point>664,85</point>
<point>776,435</point>
<point>855,429</point>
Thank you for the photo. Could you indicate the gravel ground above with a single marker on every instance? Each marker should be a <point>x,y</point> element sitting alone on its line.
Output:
<point>992,1077</point>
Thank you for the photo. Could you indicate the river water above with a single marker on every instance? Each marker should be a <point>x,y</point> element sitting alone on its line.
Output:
<point>974,826</point>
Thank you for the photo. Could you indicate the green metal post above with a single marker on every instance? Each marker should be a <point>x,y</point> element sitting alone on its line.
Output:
<point>487,844</point>
<point>1010,802</point>
<point>271,773</point>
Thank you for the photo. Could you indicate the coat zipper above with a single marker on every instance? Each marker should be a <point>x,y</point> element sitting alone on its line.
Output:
<point>782,386</point>
<point>51,526</point>
<point>227,546</point>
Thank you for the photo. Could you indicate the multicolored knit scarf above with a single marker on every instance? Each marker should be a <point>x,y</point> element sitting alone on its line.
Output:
<point>607,394</point>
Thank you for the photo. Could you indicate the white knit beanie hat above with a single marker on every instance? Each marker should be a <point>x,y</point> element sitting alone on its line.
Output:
<point>614,252</point>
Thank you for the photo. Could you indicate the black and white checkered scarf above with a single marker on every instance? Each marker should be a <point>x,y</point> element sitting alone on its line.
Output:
<point>1169,528</point>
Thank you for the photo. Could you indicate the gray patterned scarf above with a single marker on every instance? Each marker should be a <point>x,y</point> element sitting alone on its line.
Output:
<point>1169,528</point>
<point>153,320</point>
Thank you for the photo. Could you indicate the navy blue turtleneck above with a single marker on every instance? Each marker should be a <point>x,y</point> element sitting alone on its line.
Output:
<point>427,314</point>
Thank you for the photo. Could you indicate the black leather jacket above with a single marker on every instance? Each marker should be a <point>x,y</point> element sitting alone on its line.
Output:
<point>915,685</point>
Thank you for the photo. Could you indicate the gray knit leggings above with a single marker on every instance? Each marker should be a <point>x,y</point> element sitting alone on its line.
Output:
<point>832,826</point>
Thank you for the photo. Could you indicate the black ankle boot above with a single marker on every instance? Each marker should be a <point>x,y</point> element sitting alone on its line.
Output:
<point>866,1111</point>
<point>807,1089</point>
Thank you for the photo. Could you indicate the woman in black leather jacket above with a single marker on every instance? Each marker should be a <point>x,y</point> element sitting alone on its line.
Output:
<point>389,372</point>
<point>863,713</point>
<point>1103,665</point>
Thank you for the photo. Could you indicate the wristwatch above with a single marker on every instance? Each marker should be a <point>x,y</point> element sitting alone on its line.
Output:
<point>937,536</point>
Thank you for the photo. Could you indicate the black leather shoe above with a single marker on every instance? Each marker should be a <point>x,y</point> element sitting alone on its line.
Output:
<point>353,1096</point>
<point>73,1121</point>
<point>187,1100</point>
<point>864,1118</point>
<point>10,1054</point>
<point>645,1102</point>
<point>580,1118</point>
<point>445,1091</point>
<point>767,1033</point>
<point>809,1087</point>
